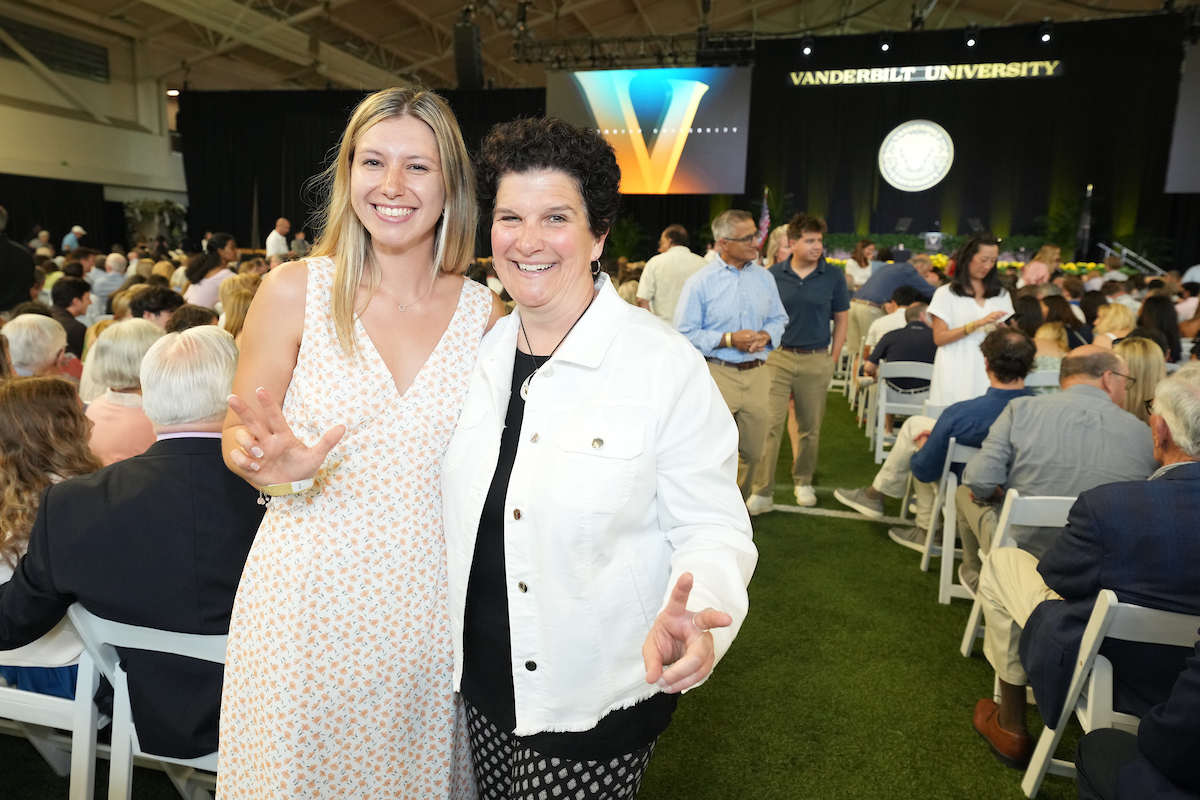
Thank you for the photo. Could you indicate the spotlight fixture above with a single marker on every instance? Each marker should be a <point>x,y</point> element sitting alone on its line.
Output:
<point>806,44</point>
<point>1046,31</point>
<point>172,93</point>
<point>885,41</point>
<point>971,36</point>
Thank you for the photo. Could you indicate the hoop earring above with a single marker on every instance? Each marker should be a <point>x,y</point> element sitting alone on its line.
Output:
<point>595,269</point>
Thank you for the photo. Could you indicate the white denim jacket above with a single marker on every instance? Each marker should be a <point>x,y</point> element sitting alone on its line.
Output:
<point>625,478</point>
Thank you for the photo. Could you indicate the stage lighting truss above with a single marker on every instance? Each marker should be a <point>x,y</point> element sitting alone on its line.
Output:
<point>971,35</point>
<point>1046,31</point>
<point>724,47</point>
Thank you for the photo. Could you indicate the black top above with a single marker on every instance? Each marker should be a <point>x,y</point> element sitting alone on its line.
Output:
<point>16,273</point>
<point>913,342</point>
<point>487,681</point>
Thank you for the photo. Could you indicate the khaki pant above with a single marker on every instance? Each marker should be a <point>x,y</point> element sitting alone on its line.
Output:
<point>1010,588</point>
<point>861,317</point>
<point>892,478</point>
<point>745,392</point>
<point>976,526</point>
<point>805,377</point>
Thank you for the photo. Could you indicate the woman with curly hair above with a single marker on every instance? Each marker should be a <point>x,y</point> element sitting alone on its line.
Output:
<point>572,467</point>
<point>43,440</point>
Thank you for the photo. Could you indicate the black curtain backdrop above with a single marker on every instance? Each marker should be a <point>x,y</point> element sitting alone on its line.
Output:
<point>249,155</point>
<point>1025,149</point>
<point>56,206</point>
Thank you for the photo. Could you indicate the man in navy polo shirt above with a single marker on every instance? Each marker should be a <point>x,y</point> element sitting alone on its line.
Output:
<point>813,293</point>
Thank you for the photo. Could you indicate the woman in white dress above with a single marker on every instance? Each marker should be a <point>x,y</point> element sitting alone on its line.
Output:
<point>964,311</point>
<point>858,266</point>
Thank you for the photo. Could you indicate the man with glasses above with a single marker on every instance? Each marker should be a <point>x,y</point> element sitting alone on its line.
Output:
<point>814,293</point>
<point>1137,538</point>
<point>731,311</point>
<point>1058,444</point>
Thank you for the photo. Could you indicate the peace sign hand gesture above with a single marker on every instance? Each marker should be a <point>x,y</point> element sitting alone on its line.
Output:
<point>269,452</point>
<point>680,638</point>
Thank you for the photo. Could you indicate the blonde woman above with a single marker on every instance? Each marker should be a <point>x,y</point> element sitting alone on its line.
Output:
<point>1042,266</point>
<point>777,246</point>
<point>164,268</point>
<point>235,313</point>
<point>89,387</point>
<point>1113,321</point>
<point>1052,347</point>
<point>1147,366</point>
<point>339,665</point>
<point>43,438</point>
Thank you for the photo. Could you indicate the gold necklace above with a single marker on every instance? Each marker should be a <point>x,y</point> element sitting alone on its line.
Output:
<point>402,306</point>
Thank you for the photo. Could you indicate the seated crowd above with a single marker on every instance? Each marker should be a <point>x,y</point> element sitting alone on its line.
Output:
<point>114,374</point>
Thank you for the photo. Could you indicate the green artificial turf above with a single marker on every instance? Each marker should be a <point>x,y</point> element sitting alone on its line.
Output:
<point>845,681</point>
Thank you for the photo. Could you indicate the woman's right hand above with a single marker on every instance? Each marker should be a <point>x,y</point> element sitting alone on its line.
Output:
<point>995,316</point>
<point>269,452</point>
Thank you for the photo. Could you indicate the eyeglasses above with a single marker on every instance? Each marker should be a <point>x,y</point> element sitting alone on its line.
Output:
<point>743,239</point>
<point>1149,404</point>
<point>1129,379</point>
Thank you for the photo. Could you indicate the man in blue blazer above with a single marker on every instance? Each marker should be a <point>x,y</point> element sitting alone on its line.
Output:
<point>158,540</point>
<point>1139,539</point>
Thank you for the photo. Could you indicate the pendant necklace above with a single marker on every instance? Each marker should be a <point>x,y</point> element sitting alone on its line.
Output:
<point>400,305</point>
<point>537,368</point>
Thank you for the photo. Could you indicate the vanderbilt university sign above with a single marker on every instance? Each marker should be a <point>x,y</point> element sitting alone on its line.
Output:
<point>936,72</point>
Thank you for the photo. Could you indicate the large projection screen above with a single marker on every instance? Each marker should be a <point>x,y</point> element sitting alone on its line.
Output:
<point>675,131</point>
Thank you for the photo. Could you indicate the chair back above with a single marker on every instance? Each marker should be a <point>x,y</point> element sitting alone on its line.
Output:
<point>102,636</point>
<point>1044,377</point>
<point>1032,512</point>
<point>903,402</point>
<point>932,411</point>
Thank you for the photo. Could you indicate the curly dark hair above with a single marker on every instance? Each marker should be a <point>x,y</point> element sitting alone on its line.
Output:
<point>1009,354</point>
<point>961,283</point>
<point>547,143</point>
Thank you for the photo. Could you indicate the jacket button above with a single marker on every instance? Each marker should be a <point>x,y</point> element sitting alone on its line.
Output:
<point>531,665</point>
<point>534,438</point>
<point>597,443</point>
<point>522,587</point>
<point>516,513</point>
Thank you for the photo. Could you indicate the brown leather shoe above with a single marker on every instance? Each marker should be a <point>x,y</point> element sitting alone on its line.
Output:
<point>1010,749</point>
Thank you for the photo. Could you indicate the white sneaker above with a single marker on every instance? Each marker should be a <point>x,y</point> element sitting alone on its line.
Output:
<point>805,496</point>
<point>759,504</point>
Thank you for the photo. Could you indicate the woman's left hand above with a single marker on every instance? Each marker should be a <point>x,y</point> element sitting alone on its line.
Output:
<point>680,640</point>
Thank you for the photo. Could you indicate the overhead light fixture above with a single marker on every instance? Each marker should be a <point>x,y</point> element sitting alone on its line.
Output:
<point>172,93</point>
<point>1046,30</point>
<point>806,44</point>
<point>971,36</point>
<point>885,41</point>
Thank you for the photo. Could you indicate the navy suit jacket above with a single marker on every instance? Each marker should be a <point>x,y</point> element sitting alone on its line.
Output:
<point>157,540</point>
<point>1140,539</point>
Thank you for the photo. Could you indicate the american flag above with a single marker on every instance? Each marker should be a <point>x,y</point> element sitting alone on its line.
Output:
<point>764,223</point>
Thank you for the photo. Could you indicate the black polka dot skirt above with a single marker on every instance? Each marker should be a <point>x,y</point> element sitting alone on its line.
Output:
<point>506,769</point>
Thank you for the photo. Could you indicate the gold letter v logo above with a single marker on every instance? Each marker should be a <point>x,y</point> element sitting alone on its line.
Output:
<point>607,94</point>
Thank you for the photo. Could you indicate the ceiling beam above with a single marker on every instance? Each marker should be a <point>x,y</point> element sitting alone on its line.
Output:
<point>645,17</point>
<point>280,39</point>
<point>449,34</point>
<point>391,49</point>
<point>51,78</point>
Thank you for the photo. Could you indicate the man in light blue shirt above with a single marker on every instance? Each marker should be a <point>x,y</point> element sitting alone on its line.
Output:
<point>731,311</point>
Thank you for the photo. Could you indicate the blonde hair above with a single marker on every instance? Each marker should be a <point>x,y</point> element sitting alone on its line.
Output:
<point>1055,332</point>
<point>777,239</point>
<point>164,268</point>
<point>1048,254</point>
<point>92,334</point>
<point>230,286</point>
<point>235,310</point>
<point>1114,317</point>
<point>43,433</point>
<point>342,236</point>
<point>119,351</point>
<point>254,265</point>
<point>1147,366</point>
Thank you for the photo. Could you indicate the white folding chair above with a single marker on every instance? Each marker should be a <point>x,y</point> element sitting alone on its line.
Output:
<point>37,716</point>
<point>944,506</point>
<point>1174,367</point>
<point>101,637</point>
<point>1034,512</point>
<point>1043,377</point>
<point>1185,348</point>
<point>1090,693</point>
<point>890,400</point>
